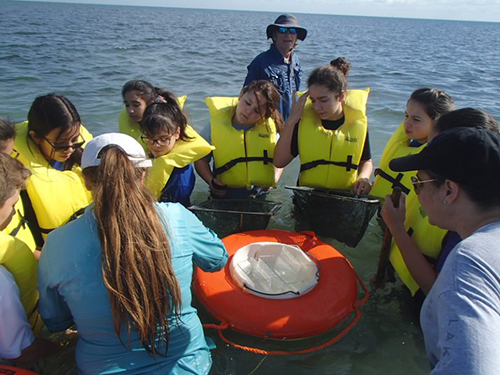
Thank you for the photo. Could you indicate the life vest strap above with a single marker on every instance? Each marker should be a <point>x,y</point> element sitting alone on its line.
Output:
<point>22,224</point>
<point>245,159</point>
<point>75,216</point>
<point>348,165</point>
<point>395,181</point>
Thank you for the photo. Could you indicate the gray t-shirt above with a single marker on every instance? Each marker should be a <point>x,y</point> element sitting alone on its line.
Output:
<point>15,331</point>
<point>460,317</point>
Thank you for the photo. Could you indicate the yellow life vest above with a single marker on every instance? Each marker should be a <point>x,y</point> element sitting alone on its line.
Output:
<point>183,154</point>
<point>330,158</point>
<point>385,178</point>
<point>241,158</point>
<point>18,227</point>
<point>55,195</point>
<point>18,259</point>
<point>132,128</point>
<point>427,237</point>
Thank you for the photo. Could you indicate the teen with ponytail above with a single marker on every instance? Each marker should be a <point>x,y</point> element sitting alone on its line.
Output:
<point>122,272</point>
<point>329,132</point>
<point>137,96</point>
<point>423,109</point>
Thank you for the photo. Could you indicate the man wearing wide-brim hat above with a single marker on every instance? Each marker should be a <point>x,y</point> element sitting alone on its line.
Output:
<point>280,64</point>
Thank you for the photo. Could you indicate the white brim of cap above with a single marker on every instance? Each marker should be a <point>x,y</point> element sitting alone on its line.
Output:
<point>129,145</point>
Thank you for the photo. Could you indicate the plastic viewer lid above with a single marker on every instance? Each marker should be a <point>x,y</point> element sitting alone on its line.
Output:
<point>273,270</point>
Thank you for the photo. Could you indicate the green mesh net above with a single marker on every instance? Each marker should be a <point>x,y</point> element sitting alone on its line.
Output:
<point>228,216</point>
<point>333,213</point>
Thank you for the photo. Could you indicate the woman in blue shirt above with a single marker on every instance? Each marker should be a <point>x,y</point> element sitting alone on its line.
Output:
<point>122,272</point>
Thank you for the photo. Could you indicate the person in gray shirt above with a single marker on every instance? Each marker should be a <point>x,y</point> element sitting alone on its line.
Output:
<point>458,185</point>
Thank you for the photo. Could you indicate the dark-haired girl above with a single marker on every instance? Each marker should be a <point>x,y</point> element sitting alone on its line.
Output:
<point>329,132</point>
<point>50,146</point>
<point>244,132</point>
<point>422,110</point>
<point>174,146</point>
<point>137,96</point>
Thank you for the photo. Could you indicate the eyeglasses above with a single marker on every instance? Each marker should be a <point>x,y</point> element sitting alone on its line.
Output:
<point>61,148</point>
<point>14,154</point>
<point>160,141</point>
<point>284,30</point>
<point>418,184</point>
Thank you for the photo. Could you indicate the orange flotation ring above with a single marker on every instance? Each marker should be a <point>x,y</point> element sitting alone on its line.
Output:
<point>9,370</point>
<point>331,301</point>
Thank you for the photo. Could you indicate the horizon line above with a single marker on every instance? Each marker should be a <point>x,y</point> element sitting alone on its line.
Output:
<point>104,3</point>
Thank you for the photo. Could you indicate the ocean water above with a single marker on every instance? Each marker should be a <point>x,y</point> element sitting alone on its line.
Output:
<point>87,52</point>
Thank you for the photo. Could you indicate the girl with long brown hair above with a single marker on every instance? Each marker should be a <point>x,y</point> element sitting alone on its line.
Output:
<point>122,272</point>
<point>244,132</point>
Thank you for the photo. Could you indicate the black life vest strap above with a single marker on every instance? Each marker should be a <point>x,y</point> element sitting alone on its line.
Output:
<point>395,181</point>
<point>75,216</point>
<point>30,218</point>
<point>22,224</point>
<point>348,165</point>
<point>245,159</point>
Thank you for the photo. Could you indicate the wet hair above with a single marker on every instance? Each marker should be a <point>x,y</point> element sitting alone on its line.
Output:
<point>484,198</point>
<point>272,96</point>
<point>146,90</point>
<point>136,257</point>
<point>51,111</point>
<point>435,102</point>
<point>333,76</point>
<point>164,115</point>
<point>13,176</point>
<point>466,117</point>
<point>7,132</point>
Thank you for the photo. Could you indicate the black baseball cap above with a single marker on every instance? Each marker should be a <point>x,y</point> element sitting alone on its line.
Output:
<point>466,155</point>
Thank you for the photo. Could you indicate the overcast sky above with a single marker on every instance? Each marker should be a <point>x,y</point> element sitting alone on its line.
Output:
<point>475,10</point>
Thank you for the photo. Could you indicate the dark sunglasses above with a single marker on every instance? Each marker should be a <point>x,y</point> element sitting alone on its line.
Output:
<point>284,30</point>
<point>418,184</point>
<point>60,148</point>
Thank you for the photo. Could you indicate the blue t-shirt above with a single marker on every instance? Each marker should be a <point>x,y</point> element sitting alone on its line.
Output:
<point>58,165</point>
<point>415,143</point>
<point>179,186</point>
<point>72,291</point>
<point>271,66</point>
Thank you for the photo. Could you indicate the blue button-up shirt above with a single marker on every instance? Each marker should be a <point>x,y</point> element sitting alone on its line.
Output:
<point>271,66</point>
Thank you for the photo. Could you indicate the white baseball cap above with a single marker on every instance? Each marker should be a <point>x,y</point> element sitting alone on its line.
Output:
<point>132,148</point>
